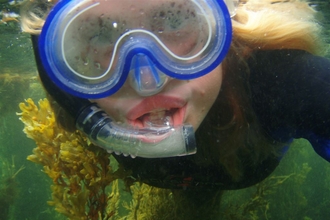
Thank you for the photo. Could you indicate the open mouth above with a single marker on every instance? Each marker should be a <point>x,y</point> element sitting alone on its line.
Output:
<point>160,118</point>
<point>157,112</point>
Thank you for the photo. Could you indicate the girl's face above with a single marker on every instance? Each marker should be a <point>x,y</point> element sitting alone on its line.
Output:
<point>179,102</point>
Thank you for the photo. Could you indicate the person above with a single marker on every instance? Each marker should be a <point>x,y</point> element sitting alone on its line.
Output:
<point>203,95</point>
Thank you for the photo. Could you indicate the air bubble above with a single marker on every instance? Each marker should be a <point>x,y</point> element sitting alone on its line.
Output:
<point>97,65</point>
<point>117,152</point>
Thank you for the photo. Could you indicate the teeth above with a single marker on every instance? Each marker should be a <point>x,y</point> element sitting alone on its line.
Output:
<point>159,118</point>
<point>157,115</point>
<point>159,110</point>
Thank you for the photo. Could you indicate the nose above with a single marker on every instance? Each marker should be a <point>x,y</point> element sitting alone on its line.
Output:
<point>145,77</point>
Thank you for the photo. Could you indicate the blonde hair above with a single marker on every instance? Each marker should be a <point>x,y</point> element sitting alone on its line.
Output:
<point>278,24</point>
<point>33,14</point>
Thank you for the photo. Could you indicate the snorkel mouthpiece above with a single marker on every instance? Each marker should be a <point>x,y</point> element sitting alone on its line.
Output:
<point>150,142</point>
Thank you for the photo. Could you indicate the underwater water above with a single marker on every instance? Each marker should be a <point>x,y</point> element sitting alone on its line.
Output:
<point>298,189</point>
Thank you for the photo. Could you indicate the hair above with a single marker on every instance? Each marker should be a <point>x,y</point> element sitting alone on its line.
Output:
<point>231,126</point>
<point>33,15</point>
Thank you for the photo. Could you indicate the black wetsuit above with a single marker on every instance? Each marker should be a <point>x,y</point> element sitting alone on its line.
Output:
<point>290,92</point>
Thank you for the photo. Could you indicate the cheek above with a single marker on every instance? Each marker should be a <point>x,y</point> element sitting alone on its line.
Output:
<point>207,88</point>
<point>212,83</point>
<point>110,106</point>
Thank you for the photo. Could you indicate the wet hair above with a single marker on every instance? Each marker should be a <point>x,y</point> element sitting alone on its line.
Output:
<point>231,127</point>
<point>33,14</point>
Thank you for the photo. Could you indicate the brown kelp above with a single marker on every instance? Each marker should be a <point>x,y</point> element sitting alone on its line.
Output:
<point>81,172</point>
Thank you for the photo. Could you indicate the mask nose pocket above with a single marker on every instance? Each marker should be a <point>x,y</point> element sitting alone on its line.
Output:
<point>145,77</point>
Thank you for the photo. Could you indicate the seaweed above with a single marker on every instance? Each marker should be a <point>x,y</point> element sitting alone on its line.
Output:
<point>9,190</point>
<point>80,171</point>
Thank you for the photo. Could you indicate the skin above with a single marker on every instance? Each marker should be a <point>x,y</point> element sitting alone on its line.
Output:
<point>190,101</point>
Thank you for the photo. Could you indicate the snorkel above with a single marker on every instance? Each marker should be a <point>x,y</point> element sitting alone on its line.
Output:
<point>155,141</point>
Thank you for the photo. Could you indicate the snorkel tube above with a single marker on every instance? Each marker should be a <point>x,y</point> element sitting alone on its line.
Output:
<point>148,142</point>
<point>155,142</point>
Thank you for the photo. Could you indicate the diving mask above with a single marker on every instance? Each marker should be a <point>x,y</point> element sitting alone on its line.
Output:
<point>90,47</point>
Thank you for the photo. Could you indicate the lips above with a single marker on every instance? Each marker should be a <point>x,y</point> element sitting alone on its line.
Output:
<point>157,111</point>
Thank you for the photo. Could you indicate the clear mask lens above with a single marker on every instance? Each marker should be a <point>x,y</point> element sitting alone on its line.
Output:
<point>96,36</point>
<point>232,6</point>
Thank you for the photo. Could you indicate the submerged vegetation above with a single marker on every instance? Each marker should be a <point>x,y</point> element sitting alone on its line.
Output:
<point>9,190</point>
<point>80,172</point>
<point>12,89</point>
